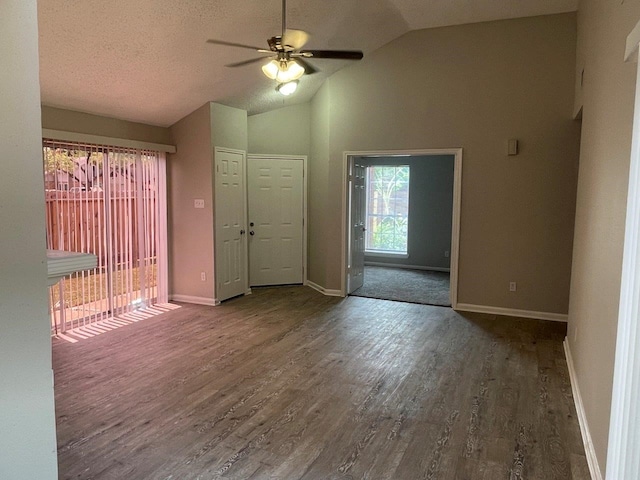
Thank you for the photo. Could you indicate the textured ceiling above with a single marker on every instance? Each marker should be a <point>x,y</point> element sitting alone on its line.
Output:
<point>148,60</point>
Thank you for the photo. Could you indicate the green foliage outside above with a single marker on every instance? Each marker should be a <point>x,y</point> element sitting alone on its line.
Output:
<point>388,208</point>
<point>390,234</point>
<point>71,161</point>
<point>62,159</point>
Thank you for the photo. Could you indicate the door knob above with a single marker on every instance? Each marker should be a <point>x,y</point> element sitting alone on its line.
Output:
<point>251,232</point>
<point>251,224</point>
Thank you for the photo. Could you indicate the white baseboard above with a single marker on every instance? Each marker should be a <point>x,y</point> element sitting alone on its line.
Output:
<point>408,267</point>
<point>556,317</point>
<point>592,460</point>
<point>322,290</point>
<point>196,300</point>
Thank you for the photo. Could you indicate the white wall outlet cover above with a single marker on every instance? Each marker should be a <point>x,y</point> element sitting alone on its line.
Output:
<point>198,203</point>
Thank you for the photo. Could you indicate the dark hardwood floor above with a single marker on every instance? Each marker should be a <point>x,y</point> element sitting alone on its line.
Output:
<point>289,384</point>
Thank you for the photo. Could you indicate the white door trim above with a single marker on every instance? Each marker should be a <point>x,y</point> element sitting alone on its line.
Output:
<point>624,426</point>
<point>305,176</point>
<point>455,219</point>
<point>215,222</point>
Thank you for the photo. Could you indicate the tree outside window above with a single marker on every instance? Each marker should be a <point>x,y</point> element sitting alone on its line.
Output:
<point>387,208</point>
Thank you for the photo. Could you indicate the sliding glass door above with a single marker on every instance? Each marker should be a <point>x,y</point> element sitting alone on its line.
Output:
<point>111,202</point>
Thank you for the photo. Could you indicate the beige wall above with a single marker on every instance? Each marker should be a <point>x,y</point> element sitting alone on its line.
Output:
<point>607,96</point>
<point>286,131</point>
<point>190,177</point>
<point>319,189</point>
<point>471,86</point>
<point>27,416</point>
<point>190,229</point>
<point>78,122</point>
<point>228,127</point>
<point>228,130</point>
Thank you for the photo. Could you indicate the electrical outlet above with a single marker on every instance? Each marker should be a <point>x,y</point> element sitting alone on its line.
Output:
<point>198,203</point>
<point>203,276</point>
<point>446,253</point>
<point>513,286</point>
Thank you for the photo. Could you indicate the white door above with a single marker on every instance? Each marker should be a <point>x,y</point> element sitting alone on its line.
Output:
<point>358,196</point>
<point>276,213</point>
<point>230,244</point>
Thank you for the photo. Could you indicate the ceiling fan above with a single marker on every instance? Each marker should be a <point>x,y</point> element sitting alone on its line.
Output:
<point>289,61</point>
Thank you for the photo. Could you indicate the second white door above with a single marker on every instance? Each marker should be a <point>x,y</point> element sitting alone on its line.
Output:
<point>276,216</point>
<point>230,246</point>
<point>357,212</point>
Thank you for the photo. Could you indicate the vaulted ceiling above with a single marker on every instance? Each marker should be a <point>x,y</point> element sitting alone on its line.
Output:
<point>148,60</point>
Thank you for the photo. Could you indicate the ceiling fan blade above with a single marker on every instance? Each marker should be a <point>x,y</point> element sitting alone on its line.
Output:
<point>232,44</point>
<point>245,62</point>
<point>339,54</point>
<point>308,68</point>
<point>295,39</point>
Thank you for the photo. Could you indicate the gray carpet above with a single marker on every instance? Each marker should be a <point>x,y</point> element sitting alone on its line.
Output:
<point>399,284</point>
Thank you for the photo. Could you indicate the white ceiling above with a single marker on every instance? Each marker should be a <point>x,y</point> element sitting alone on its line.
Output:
<point>148,60</point>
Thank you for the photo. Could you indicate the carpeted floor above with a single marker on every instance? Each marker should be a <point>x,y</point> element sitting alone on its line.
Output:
<point>414,286</point>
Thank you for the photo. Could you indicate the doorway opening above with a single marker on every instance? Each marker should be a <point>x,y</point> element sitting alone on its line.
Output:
<point>401,215</point>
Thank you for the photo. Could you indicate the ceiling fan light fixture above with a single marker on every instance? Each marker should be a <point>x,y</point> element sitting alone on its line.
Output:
<point>283,71</point>
<point>289,71</point>
<point>271,69</point>
<point>288,62</point>
<point>287,88</point>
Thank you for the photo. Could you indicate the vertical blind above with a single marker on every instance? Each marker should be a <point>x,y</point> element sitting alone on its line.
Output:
<point>109,201</point>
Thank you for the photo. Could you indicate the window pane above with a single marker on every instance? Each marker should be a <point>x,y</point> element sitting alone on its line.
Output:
<point>387,208</point>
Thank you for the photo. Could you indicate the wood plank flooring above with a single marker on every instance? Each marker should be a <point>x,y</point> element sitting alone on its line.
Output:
<point>289,384</point>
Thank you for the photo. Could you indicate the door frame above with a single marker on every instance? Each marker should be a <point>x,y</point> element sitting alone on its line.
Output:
<point>455,214</point>
<point>247,290</point>
<point>624,429</point>
<point>305,213</point>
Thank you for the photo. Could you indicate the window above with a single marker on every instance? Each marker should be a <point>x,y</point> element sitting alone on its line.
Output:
<point>387,209</point>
